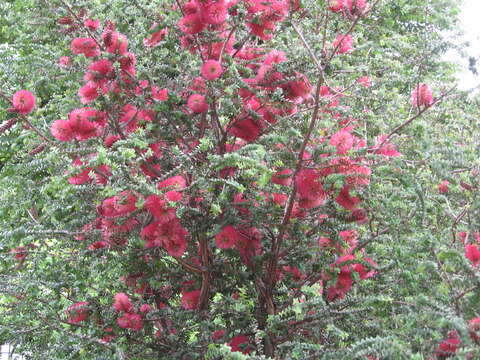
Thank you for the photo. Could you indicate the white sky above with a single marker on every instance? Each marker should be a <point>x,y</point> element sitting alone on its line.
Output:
<point>470,23</point>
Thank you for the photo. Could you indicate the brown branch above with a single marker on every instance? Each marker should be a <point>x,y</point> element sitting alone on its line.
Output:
<point>206,277</point>
<point>417,115</point>
<point>309,49</point>
<point>350,30</point>
<point>24,118</point>
<point>39,133</point>
<point>81,23</point>
<point>190,267</point>
<point>225,43</point>
<point>276,245</point>
<point>366,242</point>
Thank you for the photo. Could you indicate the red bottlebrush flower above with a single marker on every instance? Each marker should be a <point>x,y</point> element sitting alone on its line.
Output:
<point>211,70</point>
<point>344,199</point>
<point>109,337</point>
<point>249,244</point>
<point>19,253</point>
<point>110,140</point>
<point>275,57</point>
<point>280,199</point>
<point>449,346</point>
<point>474,327</point>
<point>365,81</point>
<point>283,177</point>
<point>191,24</point>
<point>343,141</point>
<point>356,175</point>
<point>197,103</point>
<point>122,303</point>
<point>241,204</point>
<point>175,182</point>
<point>267,76</point>
<point>23,102</point>
<point>82,177</point>
<point>97,245</point>
<point>153,234</point>
<point>78,312</point>
<point>190,299</point>
<point>335,5</point>
<point>309,184</point>
<point>100,71</point>
<point>422,95</point>
<point>325,91</point>
<point>472,253</point>
<point>118,205</point>
<point>191,7</point>
<point>227,238</point>
<point>250,53</point>
<point>177,245</point>
<point>125,203</point>
<point>362,271</point>
<point>264,30</point>
<point>64,62</point>
<point>62,130</point>
<point>130,321</point>
<point>89,92</point>
<point>294,271</point>
<point>170,235</point>
<point>356,7</point>
<point>385,148</point>
<point>65,20</point>
<point>85,46</point>
<point>358,215</point>
<point>155,38</point>
<point>324,241</point>
<point>115,42</point>
<point>462,236</point>
<point>173,196</point>
<point>247,129</point>
<point>198,85</point>
<point>92,24</point>
<point>350,237</point>
<point>295,5</point>
<point>218,334</point>
<point>102,173</point>
<point>128,62</point>
<point>158,208</point>
<point>343,285</point>
<point>130,118</point>
<point>343,43</point>
<point>299,90</point>
<point>145,308</point>
<point>159,94</point>
<point>82,127</point>
<point>240,343</point>
<point>443,187</point>
<point>214,13</point>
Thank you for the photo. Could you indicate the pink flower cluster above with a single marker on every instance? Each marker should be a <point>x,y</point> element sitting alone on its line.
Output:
<point>348,7</point>
<point>130,319</point>
<point>78,312</point>
<point>23,102</point>
<point>422,95</point>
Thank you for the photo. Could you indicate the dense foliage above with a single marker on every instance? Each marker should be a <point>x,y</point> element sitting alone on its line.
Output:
<point>236,179</point>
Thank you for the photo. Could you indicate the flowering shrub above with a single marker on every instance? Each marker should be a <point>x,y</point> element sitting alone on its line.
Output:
<point>225,191</point>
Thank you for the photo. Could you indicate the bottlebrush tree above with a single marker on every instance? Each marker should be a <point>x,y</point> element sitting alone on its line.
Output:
<point>208,188</point>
